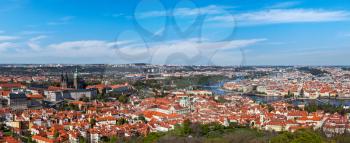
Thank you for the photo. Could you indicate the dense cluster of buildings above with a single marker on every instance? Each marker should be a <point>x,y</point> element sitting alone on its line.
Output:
<point>23,114</point>
<point>18,96</point>
<point>94,120</point>
<point>298,84</point>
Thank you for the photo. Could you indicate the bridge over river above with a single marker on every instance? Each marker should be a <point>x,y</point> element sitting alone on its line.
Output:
<point>291,99</point>
<point>217,89</point>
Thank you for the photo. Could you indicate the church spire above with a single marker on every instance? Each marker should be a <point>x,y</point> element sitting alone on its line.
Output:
<point>64,81</point>
<point>76,78</point>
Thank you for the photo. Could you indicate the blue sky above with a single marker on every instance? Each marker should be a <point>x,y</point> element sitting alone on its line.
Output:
<point>226,32</point>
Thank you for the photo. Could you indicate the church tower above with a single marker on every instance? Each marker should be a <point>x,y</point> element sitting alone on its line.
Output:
<point>64,81</point>
<point>75,76</point>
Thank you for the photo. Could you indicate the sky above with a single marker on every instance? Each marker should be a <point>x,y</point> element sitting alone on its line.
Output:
<point>182,32</point>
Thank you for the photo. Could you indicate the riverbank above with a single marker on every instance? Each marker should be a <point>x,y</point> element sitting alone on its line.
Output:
<point>266,95</point>
<point>218,89</point>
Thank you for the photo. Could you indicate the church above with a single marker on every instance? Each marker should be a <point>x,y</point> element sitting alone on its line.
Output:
<point>74,82</point>
<point>72,87</point>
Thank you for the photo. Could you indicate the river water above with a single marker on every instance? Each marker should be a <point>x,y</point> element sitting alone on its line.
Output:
<point>217,90</point>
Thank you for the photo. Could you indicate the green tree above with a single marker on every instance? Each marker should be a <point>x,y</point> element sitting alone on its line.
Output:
<point>186,130</point>
<point>122,121</point>
<point>92,122</point>
<point>105,139</point>
<point>222,100</point>
<point>82,140</point>
<point>152,137</point>
<point>343,139</point>
<point>30,140</point>
<point>283,137</point>
<point>300,136</point>
<point>56,135</point>
<point>123,99</point>
<point>270,108</point>
<point>142,118</point>
<point>113,139</point>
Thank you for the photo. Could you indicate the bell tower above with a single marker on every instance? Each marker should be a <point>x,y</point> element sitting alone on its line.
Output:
<point>64,81</point>
<point>75,76</point>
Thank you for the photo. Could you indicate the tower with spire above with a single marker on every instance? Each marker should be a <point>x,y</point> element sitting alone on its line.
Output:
<point>75,76</point>
<point>64,80</point>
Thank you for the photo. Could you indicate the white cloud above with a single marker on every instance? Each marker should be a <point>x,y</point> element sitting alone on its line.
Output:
<point>193,52</point>
<point>284,5</point>
<point>8,38</point>
<point>117,15</point>
<point>188,51</point>
<point>65,52</point>
<point>40,37</point>
<point>34,43</point>
<point>84,48</point>
<point>276,16</point>
<point>225,45</point>
<point>33,32</point>
<point>61,21</point>
<point>208,10</point>
<point>150,14</point>
<point>127,51</point>
<point>33,46</point>
<point>7,45</point>
<point>80,48</point>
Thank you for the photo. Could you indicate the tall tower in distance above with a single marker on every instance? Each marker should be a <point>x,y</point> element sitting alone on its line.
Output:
<point>64,81</point>
<point>75,76</point>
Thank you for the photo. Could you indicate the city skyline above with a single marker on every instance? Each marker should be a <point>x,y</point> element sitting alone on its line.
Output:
<point>224,33</point>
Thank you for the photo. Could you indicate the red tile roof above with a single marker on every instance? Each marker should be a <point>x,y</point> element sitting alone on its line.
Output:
<point>43,139</point>
<point>11,140</point>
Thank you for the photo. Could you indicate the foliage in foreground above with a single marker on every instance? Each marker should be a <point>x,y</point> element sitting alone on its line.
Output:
<point>328,108</point>
<point>216,133</point>
<point>207,133</point>
<point>300,136</point>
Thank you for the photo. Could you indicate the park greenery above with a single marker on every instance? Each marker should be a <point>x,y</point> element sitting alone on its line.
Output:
<point>300,136</point>
<point>313,71</point>
<point>328,108</point>
<point>178,82</point>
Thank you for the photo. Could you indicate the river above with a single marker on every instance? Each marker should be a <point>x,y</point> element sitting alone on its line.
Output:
<point>217,90</point>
